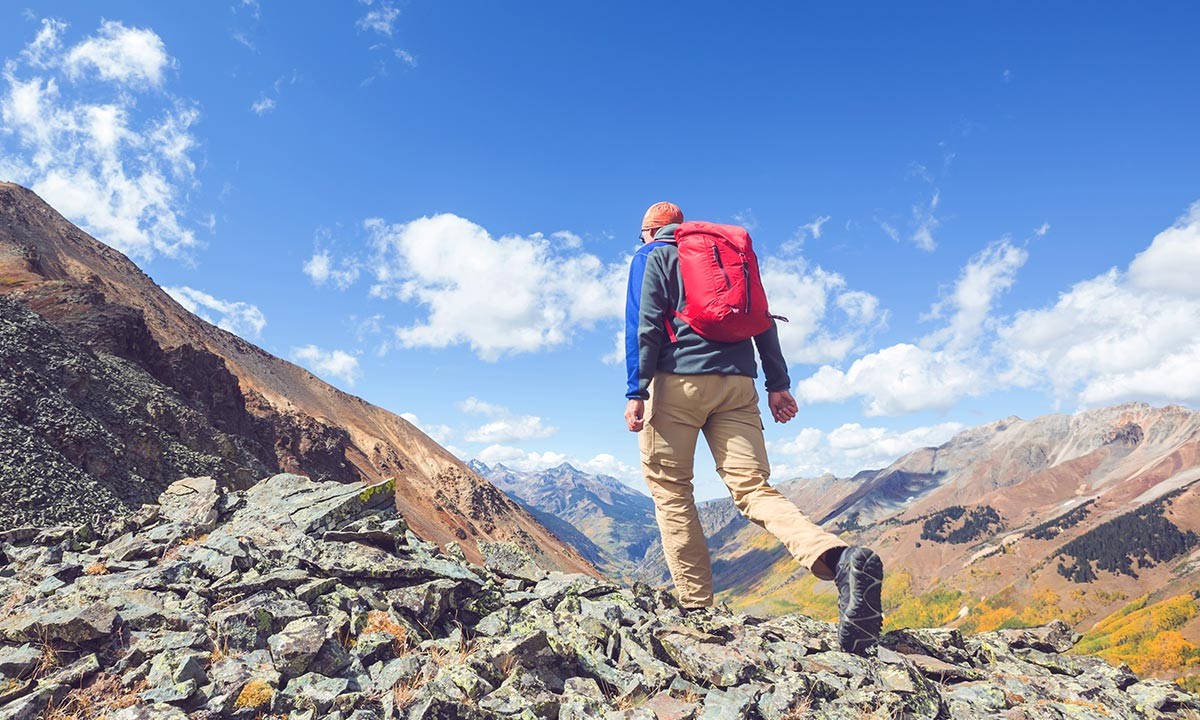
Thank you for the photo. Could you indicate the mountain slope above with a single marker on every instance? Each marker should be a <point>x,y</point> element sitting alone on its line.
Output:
<point>612,516</point>
<point>284,415</point>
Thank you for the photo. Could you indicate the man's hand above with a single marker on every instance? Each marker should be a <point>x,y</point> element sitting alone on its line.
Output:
<point>634,411</point>
<point>783,406</point>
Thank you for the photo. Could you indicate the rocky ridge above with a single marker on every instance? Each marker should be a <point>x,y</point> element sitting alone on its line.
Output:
<point>304,599</point>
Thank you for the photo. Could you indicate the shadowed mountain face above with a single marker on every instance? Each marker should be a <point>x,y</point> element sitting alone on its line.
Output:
<point>615,520</point>
<point>125,391</point>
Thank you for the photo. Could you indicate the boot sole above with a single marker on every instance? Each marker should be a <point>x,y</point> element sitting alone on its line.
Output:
<point>861,620</point>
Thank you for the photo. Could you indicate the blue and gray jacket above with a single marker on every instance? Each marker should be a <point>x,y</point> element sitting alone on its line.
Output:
<point>655,340</point>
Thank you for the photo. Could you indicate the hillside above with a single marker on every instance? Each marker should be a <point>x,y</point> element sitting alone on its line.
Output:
<point>1006,524</point>
<point>617,522</point>
<point>306,599</point>
<point>224,403</point>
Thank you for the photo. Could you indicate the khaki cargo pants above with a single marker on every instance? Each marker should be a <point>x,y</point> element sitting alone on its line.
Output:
<point>725,407</point>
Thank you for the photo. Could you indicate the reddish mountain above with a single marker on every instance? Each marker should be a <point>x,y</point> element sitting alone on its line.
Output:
<point>249,411</point>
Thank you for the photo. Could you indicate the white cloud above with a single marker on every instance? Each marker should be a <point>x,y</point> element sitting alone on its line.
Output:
<point>135,56</point>
<point>813,300</point>
<point>812,229</point>
<point>322,268</point>
<point>746,219</point>
<point>1123,335</point>
<point>899,379</point>
<point>406,57</point>
<point>527,461</point>
<point>263,105</point>
<point>237,317</point>
<point>616,356</point>
<point>851,448</point>
<point>500,296</point>
<point>328,363</point>
<point>505,427</point>
<point>113,159</point>
<point>942,367</point>
<point>439,433</point>
<point>925,221</point>
<point>1131,335</point>
<point>380,18</point>
<point>985,277</point>
<point>1172,262</point>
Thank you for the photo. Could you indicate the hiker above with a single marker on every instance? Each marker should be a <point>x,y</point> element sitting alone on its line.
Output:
<point>682,383</point>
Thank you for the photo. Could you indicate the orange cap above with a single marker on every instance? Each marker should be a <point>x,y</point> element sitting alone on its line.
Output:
<point>660,214</point>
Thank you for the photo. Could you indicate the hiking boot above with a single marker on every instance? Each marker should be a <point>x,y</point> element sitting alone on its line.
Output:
<point>859,579</point>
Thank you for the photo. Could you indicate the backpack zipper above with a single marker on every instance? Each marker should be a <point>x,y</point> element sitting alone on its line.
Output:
<point>746,277</point>
<point>721,265</point>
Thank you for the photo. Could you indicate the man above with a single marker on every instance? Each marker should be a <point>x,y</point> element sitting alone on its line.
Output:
<point>681,384</point>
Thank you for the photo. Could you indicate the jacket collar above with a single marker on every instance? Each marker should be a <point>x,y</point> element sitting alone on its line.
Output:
<point>666,233</point>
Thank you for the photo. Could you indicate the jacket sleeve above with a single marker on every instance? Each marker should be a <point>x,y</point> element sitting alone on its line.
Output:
<point>653,308</point>
<point>774,366</point>
<point>633,303</point>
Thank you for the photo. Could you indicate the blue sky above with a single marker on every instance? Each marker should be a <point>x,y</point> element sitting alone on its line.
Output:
<point>967,212</point>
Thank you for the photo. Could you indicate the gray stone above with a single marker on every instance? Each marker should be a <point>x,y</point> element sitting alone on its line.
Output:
<point>508,560</point>
<point>191,500</point>
<point>706,659</point>
<point>730,704</point>
<point>19,661</point>
<point>80,625</point>
<point>313,691</point>
<point>294,649</point>
<point>169,693</point>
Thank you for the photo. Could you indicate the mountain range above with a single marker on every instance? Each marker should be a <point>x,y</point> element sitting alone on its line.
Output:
<point>113,390</point>
<point>1090,517</point>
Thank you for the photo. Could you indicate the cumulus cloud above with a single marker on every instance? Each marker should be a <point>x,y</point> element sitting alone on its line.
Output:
<point>328,363</point>
<point>239,318</point>
<point>505,426</point>
<point>91,129</point>
<point>1132,335</point>
<point>814,300</point>
<point>944,366</point>
<point>506,295</point>
<point>812,229</point>
<point>134,56</point>
<point>851,447</point>
<point>323,268</point>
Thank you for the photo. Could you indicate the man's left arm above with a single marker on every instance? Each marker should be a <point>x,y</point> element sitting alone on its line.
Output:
<point>779,397</point>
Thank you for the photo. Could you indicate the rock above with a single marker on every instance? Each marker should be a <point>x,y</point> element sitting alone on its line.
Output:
<point>731,704</point>
<point>169,693</point>
<point>312,691</point>
<point>313,506</point>
<point>192,500</point>
<point>664,706</point>
<point>508,560</point>
<point>426,602</point>
<point>93,622</point>
<point>705,659</point>
<point>19,661</point>
<point>158,711</point>
<point>246,625</point>
<point>557,586</point>
<point>1056,637</point>
<point>294,649</point>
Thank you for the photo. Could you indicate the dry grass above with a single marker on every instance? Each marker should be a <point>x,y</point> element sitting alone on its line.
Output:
<point>798,711</point>
<point>18,596</point>
<point>96,700</point>
<point>629,702</point>
<point>379,621</point>
<point>254,694</point>
<point>96,568</point>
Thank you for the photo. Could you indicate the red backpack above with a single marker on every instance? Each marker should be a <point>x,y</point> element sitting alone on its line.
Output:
<point>724,298</point>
